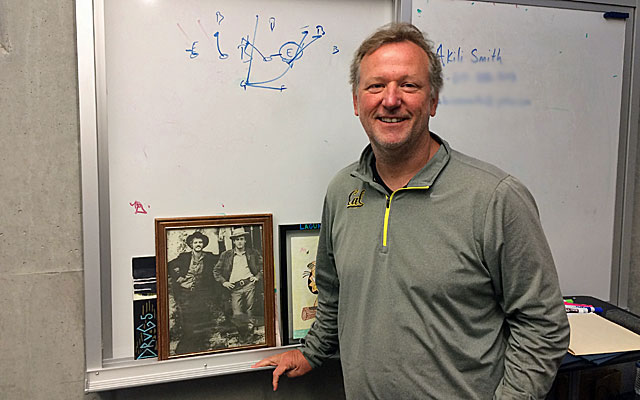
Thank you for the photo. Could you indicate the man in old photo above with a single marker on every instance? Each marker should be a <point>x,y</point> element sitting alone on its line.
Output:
<point>238,270</point>
<point>195,292</point>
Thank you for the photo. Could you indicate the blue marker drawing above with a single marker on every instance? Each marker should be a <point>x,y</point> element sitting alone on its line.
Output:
<point>289,52</point>
<point>335,50</point>
<point>272,23</point>
<point>222,55</point>
<point>219,17</point>
<point>193,53</point>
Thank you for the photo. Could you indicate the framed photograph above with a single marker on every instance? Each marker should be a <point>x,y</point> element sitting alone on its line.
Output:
<point>215,284</point>
<point>298,291</point>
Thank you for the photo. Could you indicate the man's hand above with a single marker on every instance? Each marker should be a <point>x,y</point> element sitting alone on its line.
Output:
<point>228,285</point>
<point>187,282</point>
<point>291,362</point>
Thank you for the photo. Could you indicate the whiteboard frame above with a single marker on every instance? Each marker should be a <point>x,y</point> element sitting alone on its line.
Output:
<point>102,371</point>
<point>105,373</point>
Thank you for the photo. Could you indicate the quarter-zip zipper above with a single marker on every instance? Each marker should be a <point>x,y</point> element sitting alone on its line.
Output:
<point>388,210</point>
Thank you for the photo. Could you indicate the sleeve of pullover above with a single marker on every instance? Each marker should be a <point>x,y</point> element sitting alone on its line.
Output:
<point>322,339</point>
<point>528,290</point>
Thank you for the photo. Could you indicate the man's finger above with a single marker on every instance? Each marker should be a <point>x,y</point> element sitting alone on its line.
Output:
<point>280,369</point>
<point>267,362</point>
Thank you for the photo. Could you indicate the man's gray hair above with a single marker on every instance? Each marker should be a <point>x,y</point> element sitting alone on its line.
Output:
<point>393,33</point>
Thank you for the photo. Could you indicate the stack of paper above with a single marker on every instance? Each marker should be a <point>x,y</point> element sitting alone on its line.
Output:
<point>592,334</point>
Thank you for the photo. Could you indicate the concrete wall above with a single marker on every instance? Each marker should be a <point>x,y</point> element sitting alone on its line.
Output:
<point>41,280</point>
<point>41,284</point>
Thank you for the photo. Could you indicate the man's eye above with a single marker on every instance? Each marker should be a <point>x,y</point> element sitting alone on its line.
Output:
<point>375,87</point>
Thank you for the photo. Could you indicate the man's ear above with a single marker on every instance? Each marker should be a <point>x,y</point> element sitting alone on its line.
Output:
<point>434,105</point>
<point>355,104</point>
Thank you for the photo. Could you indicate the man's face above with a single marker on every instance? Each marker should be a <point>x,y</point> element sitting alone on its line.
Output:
<point>240,242</point>
<point>393,98</point>
<point>197,244</point>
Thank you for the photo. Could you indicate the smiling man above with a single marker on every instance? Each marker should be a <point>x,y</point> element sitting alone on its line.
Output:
<point>195,293</point>
<point>438,283</point>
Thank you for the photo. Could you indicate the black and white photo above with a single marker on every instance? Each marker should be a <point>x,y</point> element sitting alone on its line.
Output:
<point>215,284</point>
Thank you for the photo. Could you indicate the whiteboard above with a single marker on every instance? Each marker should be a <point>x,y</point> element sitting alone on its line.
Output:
<point>537,91</point>
<point>224,108</point>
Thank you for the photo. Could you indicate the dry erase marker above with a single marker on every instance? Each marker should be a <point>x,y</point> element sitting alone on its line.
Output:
<point>577,310</point>
<point>583,305</point>
<point>592,308</point>
<point>568,307</point>
<point>588,308</point>
<point>571,303</point>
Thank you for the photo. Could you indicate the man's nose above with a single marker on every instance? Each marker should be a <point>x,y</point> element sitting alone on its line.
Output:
<point>391,97</point>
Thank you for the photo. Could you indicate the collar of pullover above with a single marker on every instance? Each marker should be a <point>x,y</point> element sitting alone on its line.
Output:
<point>425,177</point>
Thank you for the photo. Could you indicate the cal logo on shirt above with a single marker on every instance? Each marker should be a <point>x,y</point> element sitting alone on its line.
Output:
<point>355,199</point>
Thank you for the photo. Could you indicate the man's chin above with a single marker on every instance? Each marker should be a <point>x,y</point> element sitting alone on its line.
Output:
<point>388,145</point>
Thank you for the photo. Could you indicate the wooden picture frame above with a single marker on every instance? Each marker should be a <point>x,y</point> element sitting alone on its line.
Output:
<point>298,292</point>
<point>211,296</point>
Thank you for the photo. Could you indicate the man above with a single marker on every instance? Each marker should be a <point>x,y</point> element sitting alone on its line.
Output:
<point>433,272</point>
<point>238,270</point>
<point>195,292</point>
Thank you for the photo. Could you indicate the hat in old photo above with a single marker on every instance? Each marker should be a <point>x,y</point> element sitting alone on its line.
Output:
<point>197,235</point>
<point>236,232</point>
